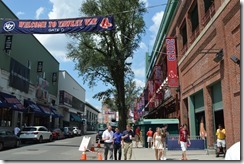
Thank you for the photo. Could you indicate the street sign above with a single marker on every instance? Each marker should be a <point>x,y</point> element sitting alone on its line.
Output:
<point>85,143</point>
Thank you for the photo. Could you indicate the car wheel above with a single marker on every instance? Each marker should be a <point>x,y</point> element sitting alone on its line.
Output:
<point>41,139</point>
<point>17,144</point>
<point>1,146</point>
<point>51,138</point>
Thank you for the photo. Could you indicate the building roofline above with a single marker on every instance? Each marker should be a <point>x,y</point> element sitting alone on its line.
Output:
<point>92,107</point>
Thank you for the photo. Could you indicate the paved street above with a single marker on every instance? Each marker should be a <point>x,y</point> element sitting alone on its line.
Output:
<point>67,149</point>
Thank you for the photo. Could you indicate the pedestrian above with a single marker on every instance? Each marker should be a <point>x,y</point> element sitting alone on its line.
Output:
<point>165,135</point>
<point>117,143</point>
<point>220,133</point>
<point>128,135</point>
<point>183,139</point>
<point>16,130</point>
<point>107,137</point>
<point>137,136</point>
<point>158,144</point>
<point>233,153</point>
<point>149,137</point>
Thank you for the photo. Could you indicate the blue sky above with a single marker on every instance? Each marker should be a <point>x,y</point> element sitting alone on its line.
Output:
<point>56,44</point>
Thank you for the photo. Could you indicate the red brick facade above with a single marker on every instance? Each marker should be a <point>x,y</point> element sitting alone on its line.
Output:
<point>218,28</point>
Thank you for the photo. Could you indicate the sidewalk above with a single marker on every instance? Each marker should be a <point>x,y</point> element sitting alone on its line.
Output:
<point>148,154</point>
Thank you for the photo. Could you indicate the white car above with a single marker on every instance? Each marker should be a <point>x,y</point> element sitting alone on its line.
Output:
<point>35,133</point>
<point>76,131</point>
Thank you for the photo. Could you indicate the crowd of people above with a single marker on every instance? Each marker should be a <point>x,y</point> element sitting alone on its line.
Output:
<point>114,142</point>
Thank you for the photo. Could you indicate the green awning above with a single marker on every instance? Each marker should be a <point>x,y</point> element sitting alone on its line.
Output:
<point>75,117</point>
<point>158,121</point>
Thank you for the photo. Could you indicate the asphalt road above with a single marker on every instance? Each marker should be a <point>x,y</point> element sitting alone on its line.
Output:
<point>65,149</point>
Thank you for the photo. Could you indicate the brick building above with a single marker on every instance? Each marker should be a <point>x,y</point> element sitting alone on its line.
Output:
<point>207,35</point>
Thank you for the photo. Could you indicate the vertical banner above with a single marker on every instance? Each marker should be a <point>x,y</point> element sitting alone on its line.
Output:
<point>157,72</point>
<point>8,43</point>
<point>171,62</point>
<point>150,89</point>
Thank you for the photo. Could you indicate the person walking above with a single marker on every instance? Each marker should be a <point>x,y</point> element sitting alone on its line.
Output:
<point>16,130</point>
<point>117,143</point>
<point>165,134</point>
<point>158,144</point>
<point>183,138</point>
<point>107,137</point>
<point>220,133</point>
<point>128,135</point>
<point>149,137</point>
<point>137,136</point>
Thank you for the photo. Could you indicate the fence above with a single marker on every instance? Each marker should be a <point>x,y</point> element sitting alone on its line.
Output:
<point>197,143</point>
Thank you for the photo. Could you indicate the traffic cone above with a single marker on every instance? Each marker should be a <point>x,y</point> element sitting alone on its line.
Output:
<point>99,156</point>
<point>92,147</point>
<point>98,144</point>
<point>83,156</point>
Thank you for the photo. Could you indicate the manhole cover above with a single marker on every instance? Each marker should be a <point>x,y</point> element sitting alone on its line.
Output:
<point>32,149</point>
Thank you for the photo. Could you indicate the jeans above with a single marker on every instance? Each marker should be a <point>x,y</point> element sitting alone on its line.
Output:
<point>117,149</point>
<point>108,147</point>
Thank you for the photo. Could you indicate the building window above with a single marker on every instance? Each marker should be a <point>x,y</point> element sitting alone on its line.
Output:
<point>194,18</point>
<point>208,4</point>
<point>6,117</point>
<point>183,33</point>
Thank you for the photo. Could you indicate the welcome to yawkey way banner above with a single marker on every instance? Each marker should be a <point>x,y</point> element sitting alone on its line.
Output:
<point>87,24</point>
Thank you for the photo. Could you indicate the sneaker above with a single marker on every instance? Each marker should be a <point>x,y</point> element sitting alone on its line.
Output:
<point>161,158</point>
<point>165,158</point>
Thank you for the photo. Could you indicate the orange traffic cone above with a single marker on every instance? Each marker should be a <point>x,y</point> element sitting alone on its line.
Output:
<point>98,144</point>
<point>92,147</point>
<point>83,156</point>
<point>99,156</point>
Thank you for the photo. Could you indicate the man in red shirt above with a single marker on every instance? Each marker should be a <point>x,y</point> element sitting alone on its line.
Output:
<point>149,137</point>
<point>183,138</point>
<point>137,135</point>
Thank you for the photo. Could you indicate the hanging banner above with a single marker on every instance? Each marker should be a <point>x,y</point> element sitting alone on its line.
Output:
<point>87,24</point>
<point>150,89</point>
<point>171,62</point>
<point>157,72</point>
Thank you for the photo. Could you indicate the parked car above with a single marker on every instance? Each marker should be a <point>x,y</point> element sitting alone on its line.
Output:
<point>99,135</point>
<point>8,139</point>
<point>57,134</point>
<point>76,131</point>
<point>35,133</point>
<point>68,132</point>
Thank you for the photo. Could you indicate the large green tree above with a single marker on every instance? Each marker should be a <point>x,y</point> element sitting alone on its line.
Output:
<point>106,56</point>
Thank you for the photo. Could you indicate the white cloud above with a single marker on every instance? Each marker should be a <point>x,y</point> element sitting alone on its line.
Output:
<point>157,18</point>
<point>56,43</point>
<point>143,45</point>
<point>140,72</point>
<point>139,83</point>
<point>146,2</point>
<point>19,13</point>
<point>39,11</point>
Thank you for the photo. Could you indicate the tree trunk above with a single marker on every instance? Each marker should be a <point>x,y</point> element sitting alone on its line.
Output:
<point>123,116</point>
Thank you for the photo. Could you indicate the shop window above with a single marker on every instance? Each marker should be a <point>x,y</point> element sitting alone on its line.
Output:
<point>6,117</point>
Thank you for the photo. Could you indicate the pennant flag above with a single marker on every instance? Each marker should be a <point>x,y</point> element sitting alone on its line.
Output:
<point>55,26</point>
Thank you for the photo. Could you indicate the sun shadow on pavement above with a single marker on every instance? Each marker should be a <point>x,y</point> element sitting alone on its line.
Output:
<point>62,145</point>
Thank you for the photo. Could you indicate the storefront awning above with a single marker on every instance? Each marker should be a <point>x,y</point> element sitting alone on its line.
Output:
<point>55,112</point>
<point>46,110</point>
<point>33,107</point>
<point>75,117</point>
<point>10,101</point>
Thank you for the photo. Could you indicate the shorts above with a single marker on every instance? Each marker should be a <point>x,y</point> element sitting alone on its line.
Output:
<point>183,145</point>
<point>149,139</point>
<point>220,143</point>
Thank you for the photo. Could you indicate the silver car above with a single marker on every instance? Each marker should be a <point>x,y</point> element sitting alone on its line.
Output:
<point>35,133</point>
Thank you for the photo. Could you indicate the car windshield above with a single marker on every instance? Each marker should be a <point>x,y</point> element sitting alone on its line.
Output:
<point>2,133</point>
<point>29,129</point>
